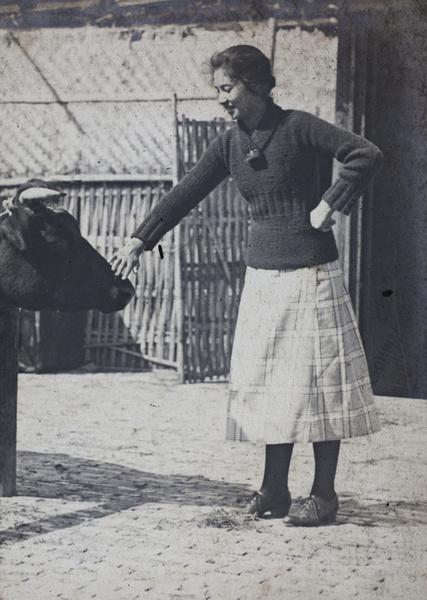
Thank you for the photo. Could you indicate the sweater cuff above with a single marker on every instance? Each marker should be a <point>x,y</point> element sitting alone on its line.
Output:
<point>151,230</point>
<point>343,195</point>
<point>146,244</point>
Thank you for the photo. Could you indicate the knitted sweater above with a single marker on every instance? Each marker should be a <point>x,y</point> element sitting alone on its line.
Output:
<point>276,169</point>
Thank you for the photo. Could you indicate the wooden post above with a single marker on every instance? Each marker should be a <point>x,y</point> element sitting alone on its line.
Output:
<point>272,25</point>
<point>177,258</point>
<point>8,399</point>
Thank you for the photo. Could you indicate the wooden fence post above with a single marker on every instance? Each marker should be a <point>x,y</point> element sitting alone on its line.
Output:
<point>8,399</point>
<point>177,257</point>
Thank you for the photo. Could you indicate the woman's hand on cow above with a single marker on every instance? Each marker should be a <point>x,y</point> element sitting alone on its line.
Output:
<point>321,216</point>
<point>125,260</point>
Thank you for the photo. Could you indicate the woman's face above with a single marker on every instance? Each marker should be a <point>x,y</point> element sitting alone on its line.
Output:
<point>239,101</point>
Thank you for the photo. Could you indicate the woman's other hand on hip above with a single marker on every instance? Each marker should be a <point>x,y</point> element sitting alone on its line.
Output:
<point>321,216</point>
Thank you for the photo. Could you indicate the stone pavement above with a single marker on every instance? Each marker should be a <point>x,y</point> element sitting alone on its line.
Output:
<point>127,491</point>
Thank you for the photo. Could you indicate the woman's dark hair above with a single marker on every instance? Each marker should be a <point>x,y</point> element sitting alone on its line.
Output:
<point>247,64</point>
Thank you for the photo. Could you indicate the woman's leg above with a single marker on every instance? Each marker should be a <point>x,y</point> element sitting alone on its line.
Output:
<point>274,497</point>
<point>322,504</point>
<point>326,460</point>
<point>277,462</point>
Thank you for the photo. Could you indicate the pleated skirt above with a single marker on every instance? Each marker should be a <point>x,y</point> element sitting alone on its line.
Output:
<point>298,368</point>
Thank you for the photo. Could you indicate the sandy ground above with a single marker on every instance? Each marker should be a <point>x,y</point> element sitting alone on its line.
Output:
<point>127,491</point>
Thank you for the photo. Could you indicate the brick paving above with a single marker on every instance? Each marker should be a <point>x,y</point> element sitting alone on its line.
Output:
<point>127,490</point>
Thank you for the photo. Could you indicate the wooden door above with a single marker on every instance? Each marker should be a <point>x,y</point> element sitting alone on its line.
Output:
<point>379,95</point>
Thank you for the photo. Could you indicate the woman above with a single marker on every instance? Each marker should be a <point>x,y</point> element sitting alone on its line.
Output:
<point>298,371</point>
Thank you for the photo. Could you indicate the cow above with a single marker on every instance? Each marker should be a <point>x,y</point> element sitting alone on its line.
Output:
<point>45,263</point>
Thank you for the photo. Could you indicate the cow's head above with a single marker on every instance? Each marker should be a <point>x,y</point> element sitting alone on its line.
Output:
<point>46,264</point>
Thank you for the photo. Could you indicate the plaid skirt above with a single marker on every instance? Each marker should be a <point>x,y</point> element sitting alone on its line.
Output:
<point>298,369</point>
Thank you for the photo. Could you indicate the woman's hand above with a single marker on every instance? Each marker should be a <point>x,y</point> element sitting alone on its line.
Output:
<point>127,258</point>
<point>321,216</point>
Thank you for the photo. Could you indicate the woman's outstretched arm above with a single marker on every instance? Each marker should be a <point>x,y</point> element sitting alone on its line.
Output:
<point>208,172</point>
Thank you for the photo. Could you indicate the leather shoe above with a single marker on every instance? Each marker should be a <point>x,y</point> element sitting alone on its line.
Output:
<point>312,511</point>
<point>278,508</point>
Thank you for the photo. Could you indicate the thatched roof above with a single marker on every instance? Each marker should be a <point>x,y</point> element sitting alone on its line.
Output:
<point>98,101</point>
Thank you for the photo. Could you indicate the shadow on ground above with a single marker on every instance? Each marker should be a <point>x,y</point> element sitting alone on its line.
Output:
<point>115,488</point>
<point>381,514</point>
<point>112,487</point>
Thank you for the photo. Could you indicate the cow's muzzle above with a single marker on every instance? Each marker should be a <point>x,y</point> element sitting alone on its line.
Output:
<point>121,293</point>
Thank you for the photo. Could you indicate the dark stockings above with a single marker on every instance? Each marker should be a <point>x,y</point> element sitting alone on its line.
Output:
<point>277,461</point>
<point>326,460</point>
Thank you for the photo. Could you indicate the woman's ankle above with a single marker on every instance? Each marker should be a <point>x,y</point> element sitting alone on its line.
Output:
<point>325,494</point>
<point>279,492</point>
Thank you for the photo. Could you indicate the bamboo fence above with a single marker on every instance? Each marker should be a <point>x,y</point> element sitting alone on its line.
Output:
<point>146,329</point>
<point>108,213</point>
<point>212,253</point>
<point>185,307</point>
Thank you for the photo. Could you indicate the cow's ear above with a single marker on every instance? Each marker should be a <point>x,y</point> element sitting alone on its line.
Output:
<point>14,235</point>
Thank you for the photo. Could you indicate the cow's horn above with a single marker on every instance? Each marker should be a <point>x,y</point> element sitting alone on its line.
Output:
<point>38,194</point>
